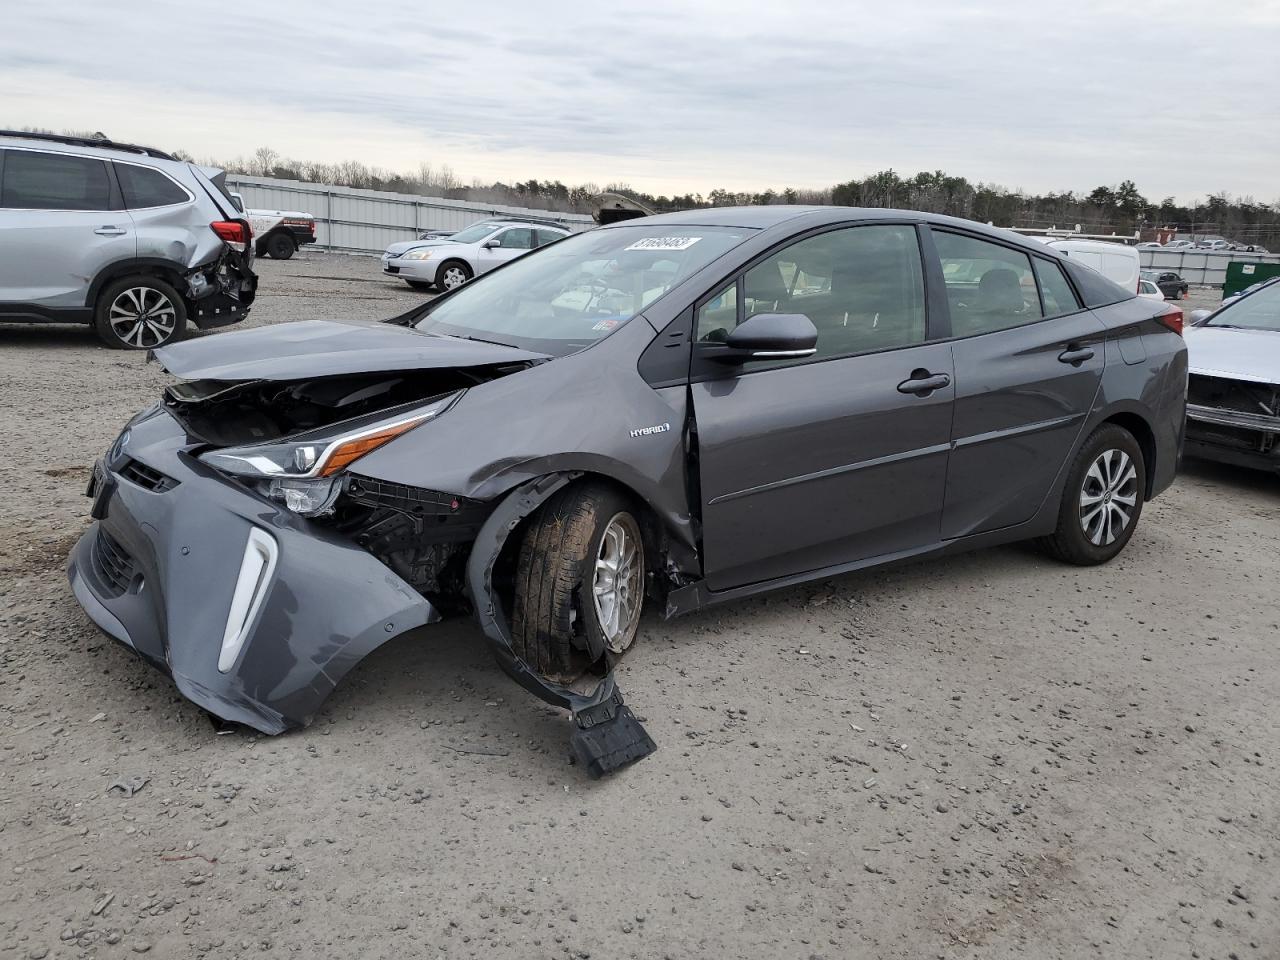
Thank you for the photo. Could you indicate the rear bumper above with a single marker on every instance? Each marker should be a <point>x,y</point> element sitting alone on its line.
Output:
<point>180,575</point>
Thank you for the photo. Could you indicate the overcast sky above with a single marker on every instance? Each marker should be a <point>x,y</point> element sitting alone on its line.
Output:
<point>667,96</point>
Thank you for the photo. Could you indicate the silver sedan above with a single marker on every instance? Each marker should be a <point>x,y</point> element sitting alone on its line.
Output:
<point>450,262</point>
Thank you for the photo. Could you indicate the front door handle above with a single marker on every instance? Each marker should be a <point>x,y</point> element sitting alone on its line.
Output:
<point>111,231</point>
<point>1075,354</point>
<point>922,383</point>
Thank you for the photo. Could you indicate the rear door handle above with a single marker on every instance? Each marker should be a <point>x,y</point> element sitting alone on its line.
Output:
<point>1075,354</point>
<point>922,383</point>
<point>111,231</point>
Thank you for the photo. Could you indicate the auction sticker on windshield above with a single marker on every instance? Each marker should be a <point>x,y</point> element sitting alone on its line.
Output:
<point>664,243</point>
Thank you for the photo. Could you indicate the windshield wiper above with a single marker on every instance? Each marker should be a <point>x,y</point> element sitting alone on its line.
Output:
<point>496,343</point>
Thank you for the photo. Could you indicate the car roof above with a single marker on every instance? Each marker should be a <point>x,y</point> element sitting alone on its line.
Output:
<point>777,214</point>
<point>87,147</point>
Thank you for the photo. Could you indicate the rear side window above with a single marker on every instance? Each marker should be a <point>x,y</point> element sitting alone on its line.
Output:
<point>144,187</point>
<point>51,181</point>
<point>1095,289</point>
<point>545,237</point>
<point>989,287</point>
<point>1058,296</point>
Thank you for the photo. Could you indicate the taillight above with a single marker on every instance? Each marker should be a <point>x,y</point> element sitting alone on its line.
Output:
<point>1172,320</point>
<point>230,231</point>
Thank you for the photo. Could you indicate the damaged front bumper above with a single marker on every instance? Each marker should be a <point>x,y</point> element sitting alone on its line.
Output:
<point>1236,437</point>
<point>255,613</point>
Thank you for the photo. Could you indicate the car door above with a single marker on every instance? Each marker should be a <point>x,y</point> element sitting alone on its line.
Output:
<point>503,246</point>
<point>1028,365</point>
<point>61,221</point>
<point>805,465</point>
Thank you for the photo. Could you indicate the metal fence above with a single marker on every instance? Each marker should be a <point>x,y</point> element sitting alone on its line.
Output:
<point>366,221</point>
<point>1201,267</point>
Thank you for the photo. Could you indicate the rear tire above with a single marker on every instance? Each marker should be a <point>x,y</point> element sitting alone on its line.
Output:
<point>581,549</point>
<point>139,313</point>
<point>1102,499</point>
<point>281,246</point>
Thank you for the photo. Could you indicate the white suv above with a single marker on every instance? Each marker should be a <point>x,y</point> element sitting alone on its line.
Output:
<point>450,262</point>
<point>126,238</point>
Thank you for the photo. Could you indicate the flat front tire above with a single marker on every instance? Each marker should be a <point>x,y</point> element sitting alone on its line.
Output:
<point>1102,499</point>
<point>139,313</point>
<point>580,580</point>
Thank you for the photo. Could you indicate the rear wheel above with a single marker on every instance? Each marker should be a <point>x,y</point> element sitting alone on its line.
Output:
<point>453,273</point>
<point>281,246</point>
<point>580,580</point>
<point>1102,500</point>
<point>139,313</point>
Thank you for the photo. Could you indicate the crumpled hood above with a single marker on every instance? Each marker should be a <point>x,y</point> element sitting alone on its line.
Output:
<point>323,348</point>
<point>1234,354</point>
<point>404,246</point>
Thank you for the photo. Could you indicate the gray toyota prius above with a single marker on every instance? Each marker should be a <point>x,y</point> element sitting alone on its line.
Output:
<point>673,411</point>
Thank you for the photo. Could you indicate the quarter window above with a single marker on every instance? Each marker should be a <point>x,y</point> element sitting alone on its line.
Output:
<point>51,181</point>
<point>862,287</point>
<point>144,187</point>
<point>546,236</point>
<point>989,287</point>
<point>1059,298</point>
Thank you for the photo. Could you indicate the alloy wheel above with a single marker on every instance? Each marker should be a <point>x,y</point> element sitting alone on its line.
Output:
<point>1108,497</point>
<point>617,588</point>
<point>142,317</point>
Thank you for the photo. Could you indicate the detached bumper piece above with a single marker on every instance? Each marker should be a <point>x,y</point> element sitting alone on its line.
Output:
<point>606,735</point>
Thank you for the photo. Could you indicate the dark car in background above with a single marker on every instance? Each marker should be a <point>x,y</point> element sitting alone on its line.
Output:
<point>1171,284</point>
<point>678,410</point>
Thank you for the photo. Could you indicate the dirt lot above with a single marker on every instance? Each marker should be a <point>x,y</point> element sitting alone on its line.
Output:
<point>986,756</point>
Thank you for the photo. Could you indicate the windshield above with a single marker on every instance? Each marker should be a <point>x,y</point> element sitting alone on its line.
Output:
<point>1258,311</point>
<point>567,295</point>
<point>474,233</point>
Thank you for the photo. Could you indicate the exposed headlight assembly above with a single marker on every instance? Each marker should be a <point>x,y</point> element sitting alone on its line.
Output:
<point>303,472</point>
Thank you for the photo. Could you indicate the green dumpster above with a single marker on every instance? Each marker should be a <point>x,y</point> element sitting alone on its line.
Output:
<point>1241,275</point>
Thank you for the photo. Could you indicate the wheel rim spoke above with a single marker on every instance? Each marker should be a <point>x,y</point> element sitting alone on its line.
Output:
<point>1108,497</point>
<point>142,316</point>
<point>618,569</point>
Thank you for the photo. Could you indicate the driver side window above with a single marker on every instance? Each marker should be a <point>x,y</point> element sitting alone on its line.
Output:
<point>862,288</point>
<point>519,238</point>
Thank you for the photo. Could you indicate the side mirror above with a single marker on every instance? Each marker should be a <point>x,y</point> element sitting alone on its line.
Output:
<point>770,336</point>
<point>1199,316</point>
<point>490,244</point>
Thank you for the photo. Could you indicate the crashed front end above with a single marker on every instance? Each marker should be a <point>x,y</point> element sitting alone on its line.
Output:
<point>1233,421</point>
<point>237,545</point>
<point>256,612</point>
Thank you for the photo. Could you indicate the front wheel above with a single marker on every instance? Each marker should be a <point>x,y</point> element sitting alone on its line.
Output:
<point>453,274</point>
<point>1102,499</point>
<point>580,581</point>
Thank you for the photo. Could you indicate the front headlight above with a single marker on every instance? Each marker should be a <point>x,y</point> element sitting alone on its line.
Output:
<point>418,254</point>
<point>302,471</point>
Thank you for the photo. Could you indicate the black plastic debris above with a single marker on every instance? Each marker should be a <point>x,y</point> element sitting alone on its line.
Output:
<point>608,736</point>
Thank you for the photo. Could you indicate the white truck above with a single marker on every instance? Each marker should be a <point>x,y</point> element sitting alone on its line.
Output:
<point>278,233</point>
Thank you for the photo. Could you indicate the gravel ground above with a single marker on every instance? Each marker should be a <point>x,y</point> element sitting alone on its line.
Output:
<point>985,756</point>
